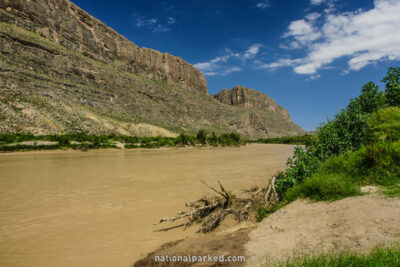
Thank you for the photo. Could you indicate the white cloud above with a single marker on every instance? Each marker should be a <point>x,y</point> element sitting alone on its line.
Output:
<point>154,24</point>
<point>365,37</point>
<point>263,5</point>
<point>313,16</point>
<point>299,27</point>
<point>227,63</point>
<point>252,51</point>
<point>283,62</point>
<point>316,2</point>
<point>171,20</point>
<point>303,32</point>
<point>315,77</point>
<point>224,72</point>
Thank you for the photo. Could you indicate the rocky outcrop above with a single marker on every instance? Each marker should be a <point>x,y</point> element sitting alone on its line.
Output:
<point>73,28</point>
<point>250,98</point>
<point>264,113</point>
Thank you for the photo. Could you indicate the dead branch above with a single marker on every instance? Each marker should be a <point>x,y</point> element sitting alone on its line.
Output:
<point>170,228</point>
<point>216,191</point>
<point>211,211</point>
<point>223,190</point>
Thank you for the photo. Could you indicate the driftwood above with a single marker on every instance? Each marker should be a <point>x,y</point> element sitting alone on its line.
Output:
<point>210,212</point>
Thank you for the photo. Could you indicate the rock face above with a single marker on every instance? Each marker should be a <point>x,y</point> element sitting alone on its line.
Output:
<point>73,28</point>
<point>62,70</point>
<point>250,98</point>
<point>264,109</point>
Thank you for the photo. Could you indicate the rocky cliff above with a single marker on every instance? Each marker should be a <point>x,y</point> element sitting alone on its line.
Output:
<point>74,29</point>
<point>62,70</point>
<point>262,109</point>
<point>250,98</point>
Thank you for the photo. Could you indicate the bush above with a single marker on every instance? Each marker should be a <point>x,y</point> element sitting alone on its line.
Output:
<point>213,139</point>
<point>323,186</point>
<point>201,137</point>
<point>295,140</point>
<point>384,125</point>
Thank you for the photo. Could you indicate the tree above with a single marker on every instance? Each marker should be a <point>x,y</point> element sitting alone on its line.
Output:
<point>370,99</point>
<point>392,92</point>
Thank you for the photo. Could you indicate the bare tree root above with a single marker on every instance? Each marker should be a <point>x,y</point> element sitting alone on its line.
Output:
<point>210,212</point>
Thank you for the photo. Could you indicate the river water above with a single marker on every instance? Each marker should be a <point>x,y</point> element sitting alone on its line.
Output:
<point>98,208</point>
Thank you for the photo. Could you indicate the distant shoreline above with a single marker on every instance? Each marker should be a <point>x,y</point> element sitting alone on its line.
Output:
<point>108,150</point>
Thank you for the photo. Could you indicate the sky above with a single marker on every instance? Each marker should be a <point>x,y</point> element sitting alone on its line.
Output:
<point>311,56</point>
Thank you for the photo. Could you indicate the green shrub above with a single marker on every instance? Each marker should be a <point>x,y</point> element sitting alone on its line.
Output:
<point>295,140</point>
<point>201,137</point>
<point>213,139</point>
<point>384,125</point>
<point>323,186</point>
<point>362,123</point>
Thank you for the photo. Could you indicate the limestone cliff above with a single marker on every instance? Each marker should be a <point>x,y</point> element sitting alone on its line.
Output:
<point>61,70</point>
<point>73,28</point>
<point>251,99</point>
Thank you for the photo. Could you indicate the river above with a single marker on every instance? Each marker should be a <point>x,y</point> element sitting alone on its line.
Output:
<point>97,208</point>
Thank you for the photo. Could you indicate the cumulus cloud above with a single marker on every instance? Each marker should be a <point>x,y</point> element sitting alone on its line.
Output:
<point>364,37</point>
<point>263,5</point>
<point>227,63</point>
<point>303,32</point>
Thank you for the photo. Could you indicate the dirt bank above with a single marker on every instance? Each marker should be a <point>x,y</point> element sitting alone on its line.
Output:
<point>357,223</point>
<point>228,240</point>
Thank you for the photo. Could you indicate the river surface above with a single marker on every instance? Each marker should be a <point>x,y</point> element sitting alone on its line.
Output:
<point>98,208</point>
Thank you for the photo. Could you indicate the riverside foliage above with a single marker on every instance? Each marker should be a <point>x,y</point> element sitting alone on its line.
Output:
<point>18,142</point>
<point>361,145</point>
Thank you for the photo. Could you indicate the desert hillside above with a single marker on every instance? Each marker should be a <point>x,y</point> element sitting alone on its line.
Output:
<point>64,71</point>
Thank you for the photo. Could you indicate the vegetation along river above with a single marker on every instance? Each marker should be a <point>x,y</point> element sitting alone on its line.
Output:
<point>98,208</point>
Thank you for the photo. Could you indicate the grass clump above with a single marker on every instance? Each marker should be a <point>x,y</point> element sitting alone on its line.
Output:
<point>379,257</point>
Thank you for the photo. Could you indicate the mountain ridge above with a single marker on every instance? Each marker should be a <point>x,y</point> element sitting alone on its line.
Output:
<point>59,75</point>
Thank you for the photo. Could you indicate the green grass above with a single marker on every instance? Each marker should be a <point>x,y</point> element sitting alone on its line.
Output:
<point>322,186</point>
<point>392,190</point>
<point>378,257</point>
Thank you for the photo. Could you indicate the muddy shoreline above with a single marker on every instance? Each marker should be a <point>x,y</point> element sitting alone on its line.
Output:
<point>302,227</point>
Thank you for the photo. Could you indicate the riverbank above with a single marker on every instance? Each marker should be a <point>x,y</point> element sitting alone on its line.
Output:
<point>352,224</point>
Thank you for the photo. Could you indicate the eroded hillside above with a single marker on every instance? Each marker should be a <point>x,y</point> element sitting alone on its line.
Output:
<point>64,71</point>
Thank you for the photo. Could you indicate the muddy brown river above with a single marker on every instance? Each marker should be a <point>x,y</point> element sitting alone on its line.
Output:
<point>98,208</point>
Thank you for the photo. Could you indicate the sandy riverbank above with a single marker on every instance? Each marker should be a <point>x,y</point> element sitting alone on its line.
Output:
<point>357,223</point>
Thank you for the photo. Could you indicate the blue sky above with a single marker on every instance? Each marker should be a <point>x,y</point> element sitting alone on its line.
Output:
<point>311,56</point>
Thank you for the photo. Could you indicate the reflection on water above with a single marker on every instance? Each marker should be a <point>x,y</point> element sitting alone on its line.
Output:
<point>97,208</point>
